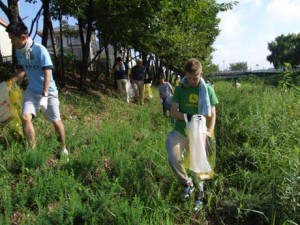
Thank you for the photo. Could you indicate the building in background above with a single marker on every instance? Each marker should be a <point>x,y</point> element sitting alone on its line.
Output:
<point>71,42</point>
<point>5,43</point>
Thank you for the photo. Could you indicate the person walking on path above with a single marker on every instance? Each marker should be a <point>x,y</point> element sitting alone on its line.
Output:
<point>41,93</point>
<point>165,91</point>
<point>192,97</point>
<point>137,78</point>
<point>121,76</point>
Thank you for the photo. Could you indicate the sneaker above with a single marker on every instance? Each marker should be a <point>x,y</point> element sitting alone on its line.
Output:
<point>189,188</point>
<point>198,204</point>
<point>65,155</point>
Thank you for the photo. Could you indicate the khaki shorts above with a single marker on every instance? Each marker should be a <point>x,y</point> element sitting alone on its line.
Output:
<point>31,105</point>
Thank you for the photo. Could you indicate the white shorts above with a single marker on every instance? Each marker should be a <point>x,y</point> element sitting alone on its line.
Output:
<point>31,105</point>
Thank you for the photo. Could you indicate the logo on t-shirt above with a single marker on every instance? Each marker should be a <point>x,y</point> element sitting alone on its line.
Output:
<point>193,98</point>
<point>31,67</point>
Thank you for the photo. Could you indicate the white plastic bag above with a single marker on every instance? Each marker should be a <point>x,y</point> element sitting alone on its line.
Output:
<point>197,134</point>
<point>130,89</point>
<point>5,104</point>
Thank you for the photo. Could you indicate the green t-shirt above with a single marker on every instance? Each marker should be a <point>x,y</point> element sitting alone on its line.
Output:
<point>187,98</point>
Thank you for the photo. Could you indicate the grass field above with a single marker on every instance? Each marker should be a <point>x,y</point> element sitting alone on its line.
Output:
<point>118,171</point>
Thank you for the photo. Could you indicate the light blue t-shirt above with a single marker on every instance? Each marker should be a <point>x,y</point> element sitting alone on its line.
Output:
<point>35,66</point>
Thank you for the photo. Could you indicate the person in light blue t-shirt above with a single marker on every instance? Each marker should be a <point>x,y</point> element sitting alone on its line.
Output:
<point>41,93</point>
<point>39,60</point>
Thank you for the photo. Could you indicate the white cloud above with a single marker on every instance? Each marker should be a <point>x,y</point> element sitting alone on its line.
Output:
<point>283,11</point>
<point>249,26</point>
<point>252,2</point>
<point>230,26</point>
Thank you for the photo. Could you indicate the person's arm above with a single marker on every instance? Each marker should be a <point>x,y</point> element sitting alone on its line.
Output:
<point>47,76</point>
<point>175,112</point>
<point>171,89</point>
<point>211,121</point>
<point>20,73</point>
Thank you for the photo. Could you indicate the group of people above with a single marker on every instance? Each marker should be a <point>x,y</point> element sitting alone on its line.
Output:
<point>136,78</point>
<point>191,97</point>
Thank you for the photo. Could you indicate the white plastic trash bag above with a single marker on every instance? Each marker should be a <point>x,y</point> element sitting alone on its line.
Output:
<point>197,134</point>
<point>5,105</point>
<point>130,89</point>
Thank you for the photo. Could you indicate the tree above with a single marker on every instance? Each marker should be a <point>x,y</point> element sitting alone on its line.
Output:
<point>239,66</point>
<point>172,31</point>
<point>285,49</point>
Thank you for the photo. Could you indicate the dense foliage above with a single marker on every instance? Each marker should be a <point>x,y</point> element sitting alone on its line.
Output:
<point>285,49</point>
<point>239,66</point>
<point>171,30</point>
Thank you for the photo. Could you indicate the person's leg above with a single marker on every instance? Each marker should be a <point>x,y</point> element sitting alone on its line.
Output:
<point>125,90</point>
<point>60,130</point>
<point>119,86</point>
<point>164,103</point>
<point>135,89</point>
<point>29,110</point>
<point>53,115</point>
<point>199,196</point>
<point>28,129</point>
<point>175,144</point>
<point>141,88</point>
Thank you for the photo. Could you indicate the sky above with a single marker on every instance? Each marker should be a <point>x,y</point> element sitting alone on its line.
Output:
<point>247,29</point>
<point>245,32</point>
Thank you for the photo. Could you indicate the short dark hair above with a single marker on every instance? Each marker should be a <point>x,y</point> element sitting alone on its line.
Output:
<point>17,29</point>
<point>193,65</point>
<point>161,77</point>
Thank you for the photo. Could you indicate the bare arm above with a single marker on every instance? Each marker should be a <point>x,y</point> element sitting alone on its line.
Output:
<point>211,121</point>
<point>20,73</point>
<point>47,75</point>
<point>175,113</point>
<point>172,91</point>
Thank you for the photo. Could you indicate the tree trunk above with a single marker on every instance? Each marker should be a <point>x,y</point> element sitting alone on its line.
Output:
<point>14,11</point>
<point>46,22</point>
<point>61,61</point>
<point>107,67</point>
<point>13,16</point>
<point>53,43</point>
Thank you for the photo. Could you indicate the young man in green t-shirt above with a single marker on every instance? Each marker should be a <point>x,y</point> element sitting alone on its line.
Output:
<point>187,100</point>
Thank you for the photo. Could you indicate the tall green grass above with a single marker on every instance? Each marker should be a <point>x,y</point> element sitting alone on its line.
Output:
<point>118,171</point>
<point>258,160</point>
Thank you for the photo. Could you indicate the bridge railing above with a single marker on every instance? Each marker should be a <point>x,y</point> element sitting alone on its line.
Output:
<point>235,74</point>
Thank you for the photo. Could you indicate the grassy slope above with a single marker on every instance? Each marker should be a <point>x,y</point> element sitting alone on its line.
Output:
<point>117,174</point>
<point>118,171</point>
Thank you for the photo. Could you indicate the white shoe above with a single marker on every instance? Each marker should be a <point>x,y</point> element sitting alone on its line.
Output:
<point>65,155</point>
